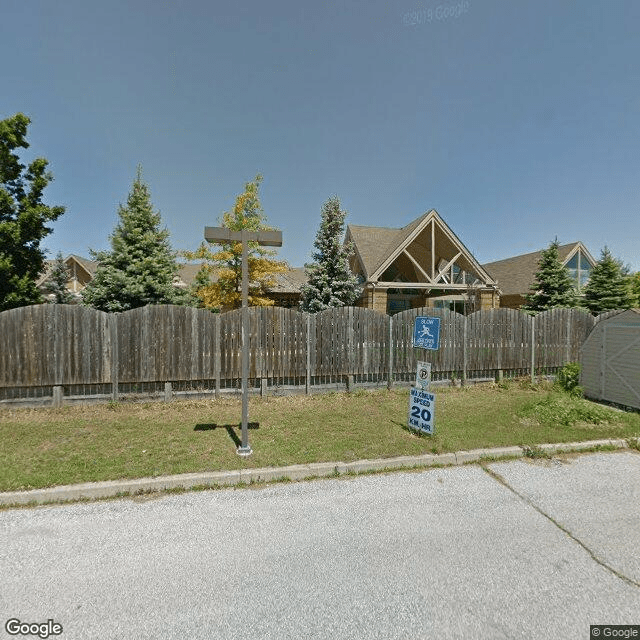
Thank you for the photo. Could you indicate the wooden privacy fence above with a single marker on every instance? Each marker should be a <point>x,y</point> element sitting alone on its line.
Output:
<point>78,351</point>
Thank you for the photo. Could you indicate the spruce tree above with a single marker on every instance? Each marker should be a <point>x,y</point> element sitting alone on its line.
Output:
<point>141,267</point>
<point>23,217</point>
<point>553,285</point>
<point>57,281</point>
<point>201,282</point>
<point>608,287</point>
<point>330,282</point>
<point>634,286</point>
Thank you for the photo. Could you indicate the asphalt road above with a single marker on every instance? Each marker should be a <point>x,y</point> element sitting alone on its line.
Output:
<point>521,550</point>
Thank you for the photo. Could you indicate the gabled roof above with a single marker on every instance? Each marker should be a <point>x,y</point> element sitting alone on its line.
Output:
<point>88,265</point>
<point>377,247</point>
<point>371,245</point>
<point>516,275</point>
<point>187,273</point>
<point>290,281</point>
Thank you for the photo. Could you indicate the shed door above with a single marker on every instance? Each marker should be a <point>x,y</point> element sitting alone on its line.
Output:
<point>621,366</point>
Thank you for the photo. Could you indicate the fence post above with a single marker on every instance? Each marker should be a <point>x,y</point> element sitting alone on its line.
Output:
<point>533,349</point>
<point>307,385</point>
<point>349,382</point>
<point>568,349</point>
<point>603,358</point>
<point>113,330</point>
<point>350,354</point>
<point>58,394</point>
<point>390,355</point>
<point>464,350</point>
<point>168,392</point>
<point>216,354</point>
<point>59,356</point>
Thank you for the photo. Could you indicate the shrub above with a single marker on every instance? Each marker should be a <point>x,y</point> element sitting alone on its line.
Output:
<point>569,379</point>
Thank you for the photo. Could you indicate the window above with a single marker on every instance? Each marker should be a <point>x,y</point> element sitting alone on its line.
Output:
<point>579,269</point>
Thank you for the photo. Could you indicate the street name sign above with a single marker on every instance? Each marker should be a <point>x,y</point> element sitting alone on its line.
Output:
<point>422,406</point>
<point>423,375</point>
<point>426,333</point>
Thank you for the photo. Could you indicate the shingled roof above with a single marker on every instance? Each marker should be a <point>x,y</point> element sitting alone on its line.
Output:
<point>516,275</point>
<point>289,282</point>
<point>373,245</point>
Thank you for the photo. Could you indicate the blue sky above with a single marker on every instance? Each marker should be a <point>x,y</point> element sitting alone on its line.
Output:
<point>517,121</point>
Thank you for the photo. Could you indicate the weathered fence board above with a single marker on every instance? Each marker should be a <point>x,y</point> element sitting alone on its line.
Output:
<point>49,345</point>
<point>163,342</point>
<point>448,358</point>
<point>559,333</point>
<point>498,340</point>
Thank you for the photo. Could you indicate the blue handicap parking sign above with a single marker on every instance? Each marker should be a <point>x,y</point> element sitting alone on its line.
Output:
<point>426,333</point>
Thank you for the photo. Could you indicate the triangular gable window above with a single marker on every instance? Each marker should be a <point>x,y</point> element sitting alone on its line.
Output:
<point>579,269</point>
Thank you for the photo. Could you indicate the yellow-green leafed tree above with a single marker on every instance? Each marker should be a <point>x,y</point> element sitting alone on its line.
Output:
<point>219,283</point>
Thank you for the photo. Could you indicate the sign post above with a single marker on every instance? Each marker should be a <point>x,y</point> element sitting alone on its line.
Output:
<point>422,403</point>
<point>222,235</point>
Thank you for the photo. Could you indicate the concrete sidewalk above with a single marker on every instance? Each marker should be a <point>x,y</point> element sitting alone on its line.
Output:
<point>122,488</point>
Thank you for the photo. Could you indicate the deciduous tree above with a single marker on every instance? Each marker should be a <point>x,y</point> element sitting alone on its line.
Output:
<point>23,217</point>
<point>223,262</point>
<point>330,282</point>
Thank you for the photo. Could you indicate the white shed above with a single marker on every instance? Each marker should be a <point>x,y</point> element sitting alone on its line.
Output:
<point>610,359</point>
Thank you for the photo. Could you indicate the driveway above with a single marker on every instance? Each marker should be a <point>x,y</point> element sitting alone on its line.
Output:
<point>519,549</point>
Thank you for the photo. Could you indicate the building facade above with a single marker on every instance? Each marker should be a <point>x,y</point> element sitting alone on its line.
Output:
<point>516,275</point>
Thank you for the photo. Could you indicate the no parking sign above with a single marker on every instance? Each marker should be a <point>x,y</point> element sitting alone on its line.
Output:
<point>423,375</point>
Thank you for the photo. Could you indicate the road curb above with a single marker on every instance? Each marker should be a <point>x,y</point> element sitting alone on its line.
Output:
<point>214,479</point>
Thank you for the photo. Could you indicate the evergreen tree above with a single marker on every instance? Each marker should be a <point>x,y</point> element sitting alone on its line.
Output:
<point>23,217</point>
<point>225,261</point>
<point>141,267</point>
<point>200,283</point>
<point>330,282</point>
<point>553,285</point>
<point>608,286</point>
<point>57,282</point>
<point>634,284</point>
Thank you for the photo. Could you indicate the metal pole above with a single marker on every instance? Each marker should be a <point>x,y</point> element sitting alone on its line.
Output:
<point>245,449</point>
<point>267,238</point>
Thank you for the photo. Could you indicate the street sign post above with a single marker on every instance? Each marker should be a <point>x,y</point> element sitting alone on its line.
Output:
<point>270,238</point>
<point>422,404</point>
<point>426,333</point>
<point>422,407</point>
<point>423,375</point>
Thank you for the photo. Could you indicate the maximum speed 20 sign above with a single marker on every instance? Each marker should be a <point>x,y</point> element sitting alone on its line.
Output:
<point>422,406</point>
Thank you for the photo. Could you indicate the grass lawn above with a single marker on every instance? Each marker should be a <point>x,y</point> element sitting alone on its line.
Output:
<point>46,447</point>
